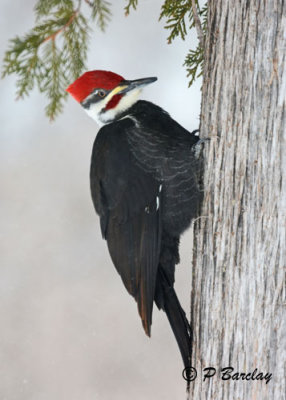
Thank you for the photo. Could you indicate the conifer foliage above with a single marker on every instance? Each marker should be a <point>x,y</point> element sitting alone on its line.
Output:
<point>180,20</point>
<point>53,53</point>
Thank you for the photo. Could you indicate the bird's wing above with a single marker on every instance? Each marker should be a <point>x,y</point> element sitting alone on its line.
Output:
<point>127,200</point>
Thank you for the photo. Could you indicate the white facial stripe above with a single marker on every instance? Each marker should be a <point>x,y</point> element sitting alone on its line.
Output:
<point>101,117</point>
<point>94,110</point>
<point>104,100</point>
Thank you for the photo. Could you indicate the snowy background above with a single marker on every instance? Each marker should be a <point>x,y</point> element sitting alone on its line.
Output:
<point>69,330</point>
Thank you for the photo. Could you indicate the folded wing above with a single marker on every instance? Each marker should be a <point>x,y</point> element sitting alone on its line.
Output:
<point>128,201</point>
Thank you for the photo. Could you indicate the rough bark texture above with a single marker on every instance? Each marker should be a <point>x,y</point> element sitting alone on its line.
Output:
<point>238,287</point>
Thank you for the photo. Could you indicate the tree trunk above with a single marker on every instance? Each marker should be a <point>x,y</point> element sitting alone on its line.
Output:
<point>238,286</point>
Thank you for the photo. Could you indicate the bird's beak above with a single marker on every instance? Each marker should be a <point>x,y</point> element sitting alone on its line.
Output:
<point>126,86</point>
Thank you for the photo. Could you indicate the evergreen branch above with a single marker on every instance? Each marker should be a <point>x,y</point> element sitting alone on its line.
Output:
<point>194,61</point>
<point>54,52</point>
<point>194,64</point>
<point>176,12</point>
<point>44,7</point>
<point>100,11</point>
<point>75,48</point>
<point>180,14</point>
<point>36,59</point>
<point>198,25</point>
<point>52,81</point>
<point>54,34</point>
<point>131,3</point>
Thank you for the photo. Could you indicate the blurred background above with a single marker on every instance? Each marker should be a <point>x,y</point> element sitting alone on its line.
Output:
<point>69,330</point>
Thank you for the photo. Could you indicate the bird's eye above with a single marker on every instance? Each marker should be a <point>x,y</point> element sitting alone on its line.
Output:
<point>101,93</point>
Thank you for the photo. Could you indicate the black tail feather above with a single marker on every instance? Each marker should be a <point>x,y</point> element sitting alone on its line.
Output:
<point>167,300</point>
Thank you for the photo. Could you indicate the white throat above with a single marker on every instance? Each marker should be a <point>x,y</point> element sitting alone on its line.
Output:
<point>106,117</point>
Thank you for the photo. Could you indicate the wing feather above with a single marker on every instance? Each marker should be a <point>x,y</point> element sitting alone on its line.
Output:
<point>126,198</point>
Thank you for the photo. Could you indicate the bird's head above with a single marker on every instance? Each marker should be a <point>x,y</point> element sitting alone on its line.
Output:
<point>105,95</point>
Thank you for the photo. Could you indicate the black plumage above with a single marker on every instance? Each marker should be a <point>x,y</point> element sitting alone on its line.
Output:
<point>144,187</point>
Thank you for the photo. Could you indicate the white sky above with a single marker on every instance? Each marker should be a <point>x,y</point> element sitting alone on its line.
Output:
<point>69,329</point>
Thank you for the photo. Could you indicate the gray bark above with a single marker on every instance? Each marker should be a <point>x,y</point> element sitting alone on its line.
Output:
<point>238,284</point>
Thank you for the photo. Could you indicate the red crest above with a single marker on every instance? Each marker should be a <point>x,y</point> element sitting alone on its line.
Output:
<point>91,80</point>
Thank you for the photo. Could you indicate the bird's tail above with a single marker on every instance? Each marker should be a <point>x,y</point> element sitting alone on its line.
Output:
<point>167,300</point>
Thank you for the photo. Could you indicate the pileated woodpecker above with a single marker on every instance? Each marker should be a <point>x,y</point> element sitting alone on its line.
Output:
<point>144,187</point>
